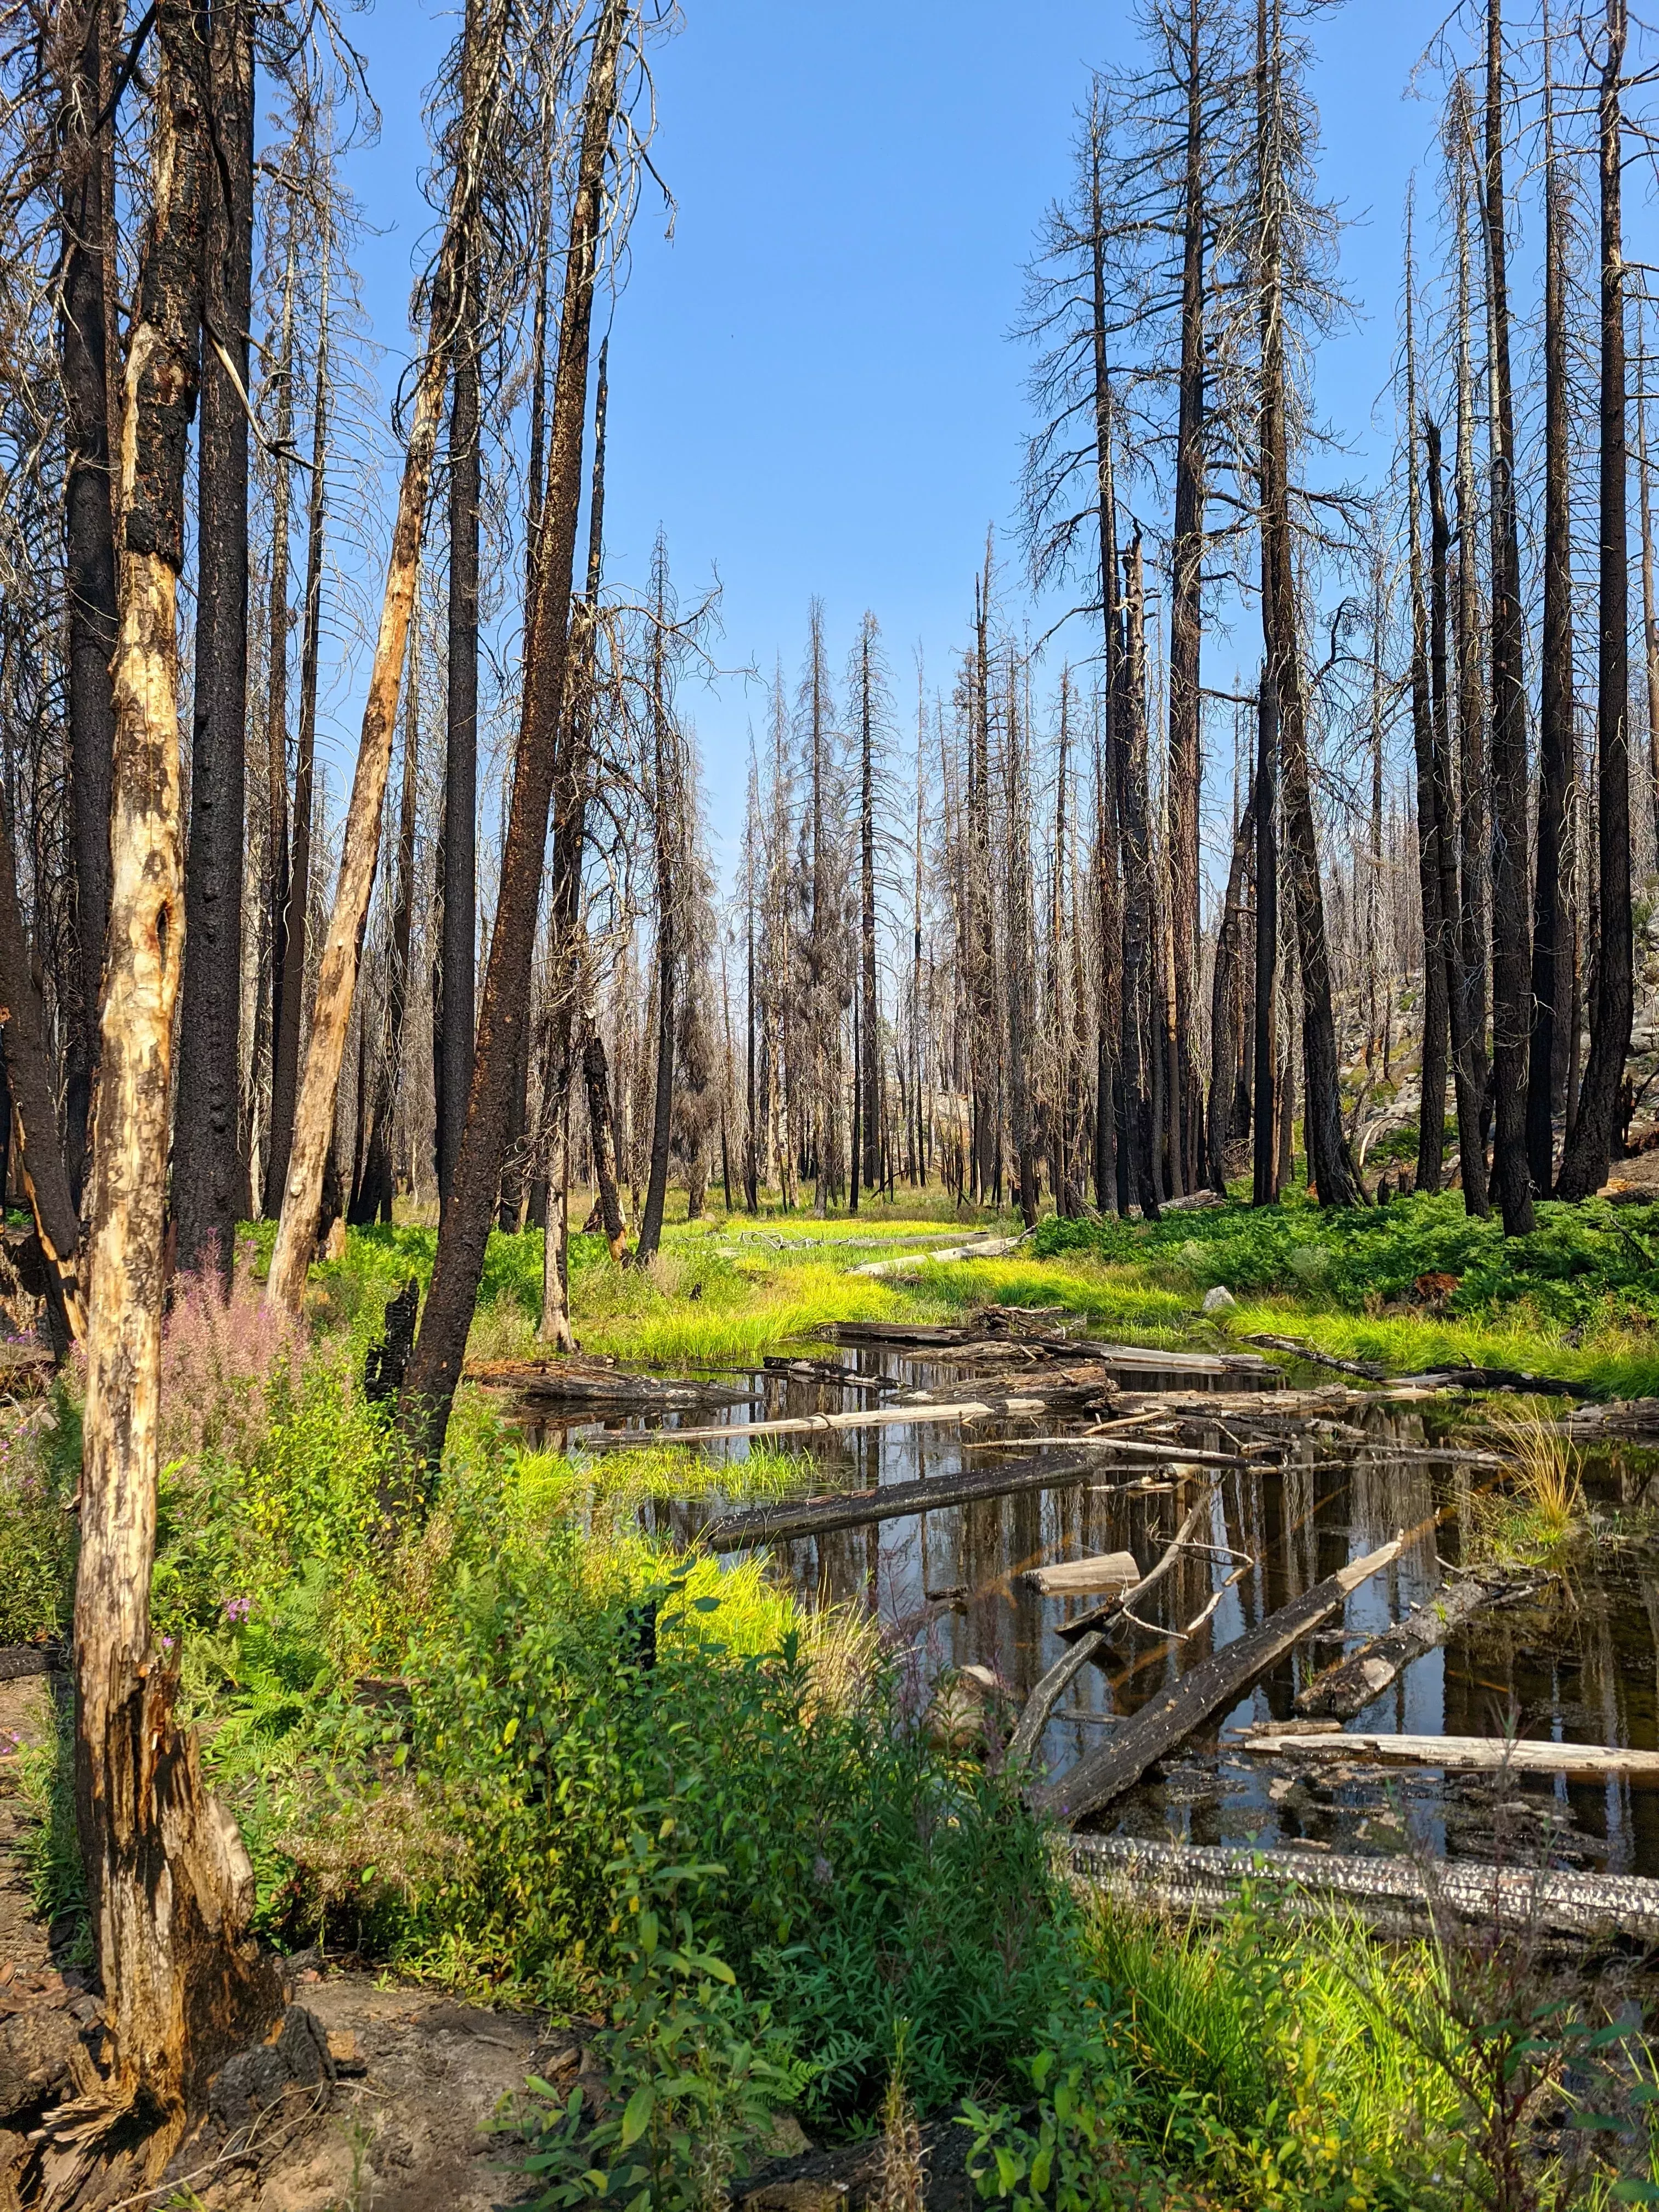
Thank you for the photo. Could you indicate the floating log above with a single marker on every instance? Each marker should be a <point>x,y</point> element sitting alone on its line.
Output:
<point>1396,1897</point>
<point>894,1501</point>
<point>1458,1378</point>
<point>587,1383</point>
<point>1105,1570</point>
<point>1219,1681</point>
<point>918,1406</point>
<point>1341,1692</point>
<point>1473,1754</point>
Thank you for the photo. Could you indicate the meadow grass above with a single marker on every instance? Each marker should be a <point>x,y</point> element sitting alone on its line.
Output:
<point>1614,1361</point>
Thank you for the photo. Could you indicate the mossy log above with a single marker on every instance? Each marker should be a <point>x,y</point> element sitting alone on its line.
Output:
<point>1341,1692</point>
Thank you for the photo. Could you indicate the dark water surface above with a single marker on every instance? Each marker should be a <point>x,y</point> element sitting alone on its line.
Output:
<point>1580,1664</point>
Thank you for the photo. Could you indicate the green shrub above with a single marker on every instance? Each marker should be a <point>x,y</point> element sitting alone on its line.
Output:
<point>40,1456</point>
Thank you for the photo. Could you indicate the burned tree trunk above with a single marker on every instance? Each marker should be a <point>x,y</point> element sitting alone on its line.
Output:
<point>1549,921</point>
<point>32,1111</point>
<point>1136,1132</point>
<point>1329,1167</point>
<point>210,1174</point>
<point>1187,620</point>
<point>170,1886</point>
<point>336,981</point>
<point>460,800</point>
<point>1265,1163</point>
<point>1511,923</point>
<point>1462,995</point>
<point>1430,829</point>
<point>1597,1134</point>
<point>89,547</point>
<point>288,972</point>
<point>1227,998</point>
<point>465,1228</point>
<point>666,799</point>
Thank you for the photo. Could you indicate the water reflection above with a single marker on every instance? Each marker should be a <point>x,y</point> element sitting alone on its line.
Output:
<point>1580,1664</point>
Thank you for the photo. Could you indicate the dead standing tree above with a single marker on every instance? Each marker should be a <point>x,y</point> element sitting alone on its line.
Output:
<point>469,1206</point>
<point>1597,1132</point>
<point>313,1120</point>
<point>1286,238</point>
<point>170,1886</point>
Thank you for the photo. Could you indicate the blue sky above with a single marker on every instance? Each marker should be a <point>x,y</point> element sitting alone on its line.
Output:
<point>813,388</point>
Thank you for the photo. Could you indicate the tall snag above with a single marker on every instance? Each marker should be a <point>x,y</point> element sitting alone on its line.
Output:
<point>463,1230</point>
<point>170,1886</point>
<point>210,1174</point>
<point>336,980</point>
<point>1431,1116</point>
<point>1329,1167</point>
<point>88,172</point>
<point>1598,1131</point>
<point>1549,912</point>
<point>1511,924</point>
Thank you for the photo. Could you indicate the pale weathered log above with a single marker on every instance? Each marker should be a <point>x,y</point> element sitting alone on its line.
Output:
<point>1172,1714</point>
<point>1104,1571</point>
<point>588,1387</point>
<point>1396,1897</point>
<point>895,1501</point>
<point>905,1263</point>
<point>949,1411</point>
<point>1341,1692</point>
<point>1473,1754</point>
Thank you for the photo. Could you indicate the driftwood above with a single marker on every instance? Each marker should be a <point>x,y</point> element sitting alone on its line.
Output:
<point>1460,1378</point>
<point>1396,1897</point>
<point>1172,1714</point>
<point>1473,1754</point>
<point>903,1263</point>
<point>894,1501</point>
<point>1053,1685</point>
<point>1105,1570</point>
<point>1341,1692</point>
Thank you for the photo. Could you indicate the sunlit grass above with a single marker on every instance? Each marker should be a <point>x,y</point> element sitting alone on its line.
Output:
<point>1107,1295</point>
<point>1613,1361</point>
<point>553,1483</point>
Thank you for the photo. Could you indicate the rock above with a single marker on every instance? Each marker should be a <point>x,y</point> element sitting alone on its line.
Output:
<point>1220,1300</point>
<point>294,2054</point>
<point>37,2049</point>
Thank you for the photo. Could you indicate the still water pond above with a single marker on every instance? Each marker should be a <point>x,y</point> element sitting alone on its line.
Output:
<point>1580,1664</point>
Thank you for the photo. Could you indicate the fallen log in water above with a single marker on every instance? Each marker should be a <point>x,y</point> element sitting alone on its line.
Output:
<point>894,1501</point>
<point>1105,1570</point>
<point>1369,1368</point>
<point>1472,1754</point>
<point>1341,1692</point>
<point>917,1407</point>
<point>586,1383</point>
<point>1218,1681</point>
<point>1395,1897</point>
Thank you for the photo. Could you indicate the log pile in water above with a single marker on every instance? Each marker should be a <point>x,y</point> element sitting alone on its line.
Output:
<point>1171,1715</point>
<point>1395,1897</point>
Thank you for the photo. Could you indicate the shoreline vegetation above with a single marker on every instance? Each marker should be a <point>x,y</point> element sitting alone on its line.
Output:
<point>520,1748</point>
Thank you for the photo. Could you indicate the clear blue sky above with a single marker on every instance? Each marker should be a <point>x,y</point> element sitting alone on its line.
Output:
<point>813,388</point>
